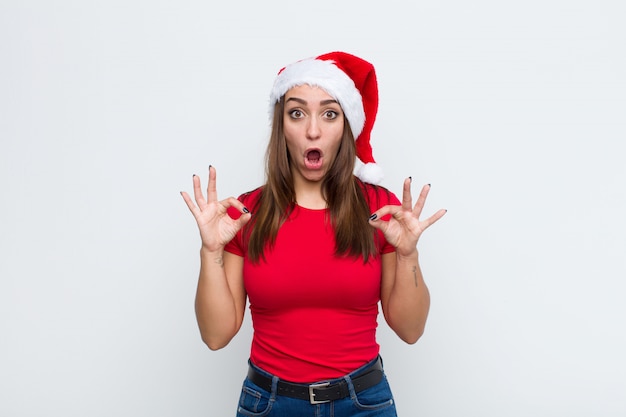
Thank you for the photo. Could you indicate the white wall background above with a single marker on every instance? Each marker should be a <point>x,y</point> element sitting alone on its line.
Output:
<point>514,111</point>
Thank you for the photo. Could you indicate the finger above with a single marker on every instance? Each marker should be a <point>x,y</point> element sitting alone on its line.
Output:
<point>233,202</point>
<point>385,210</point>
<point>197,192</point>
<point>432,219</point>
<point>407,199</point>
<point>421,201</point>
<point>380,218</point>
<point>211,194</point>
<point>376,223</point>
<point>192,207</point>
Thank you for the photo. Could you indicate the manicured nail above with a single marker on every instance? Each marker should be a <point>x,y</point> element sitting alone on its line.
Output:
<point>245,210</point>
<point>411,179</point>
<point>373,216</point>
<point>429,185</point>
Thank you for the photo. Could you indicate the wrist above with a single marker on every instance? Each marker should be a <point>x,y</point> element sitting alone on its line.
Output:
<point>211,253</point>
<point>215,257</point>
<point>410,256</point>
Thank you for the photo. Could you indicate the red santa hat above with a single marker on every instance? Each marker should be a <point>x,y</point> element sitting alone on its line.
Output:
<point>352,82</point>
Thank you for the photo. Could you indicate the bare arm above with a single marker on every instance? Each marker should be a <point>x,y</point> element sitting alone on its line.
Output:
<point>220,296</point>
<point>404,295</point>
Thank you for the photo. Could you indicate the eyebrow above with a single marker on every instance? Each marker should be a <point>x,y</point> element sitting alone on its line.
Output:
<point>301,101</point>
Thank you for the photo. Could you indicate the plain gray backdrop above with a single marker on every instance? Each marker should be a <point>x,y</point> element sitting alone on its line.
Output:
<point>514,111</point>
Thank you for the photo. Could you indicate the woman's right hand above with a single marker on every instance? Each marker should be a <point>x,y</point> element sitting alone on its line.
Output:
<point>216,227</point>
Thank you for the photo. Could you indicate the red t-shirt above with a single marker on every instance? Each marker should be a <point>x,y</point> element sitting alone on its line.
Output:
<point>314,313</point>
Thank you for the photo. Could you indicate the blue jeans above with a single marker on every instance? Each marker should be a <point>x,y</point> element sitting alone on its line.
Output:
<point>376,401</point>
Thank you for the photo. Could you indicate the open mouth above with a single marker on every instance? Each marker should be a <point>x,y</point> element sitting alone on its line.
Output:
<point>313,159</point>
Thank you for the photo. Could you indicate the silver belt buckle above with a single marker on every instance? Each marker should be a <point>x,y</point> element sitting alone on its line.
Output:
<point>312,399</point>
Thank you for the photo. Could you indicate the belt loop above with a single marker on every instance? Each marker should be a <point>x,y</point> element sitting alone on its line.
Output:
<point>274,391</point>
<point>350,386</point>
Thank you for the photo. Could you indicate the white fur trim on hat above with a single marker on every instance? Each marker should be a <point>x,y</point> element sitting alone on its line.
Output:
<point>371,173</point>
<point>326,75</point>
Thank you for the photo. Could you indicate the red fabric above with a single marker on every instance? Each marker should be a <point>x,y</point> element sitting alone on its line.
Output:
<point>314,314</point>
<point>364,76</point>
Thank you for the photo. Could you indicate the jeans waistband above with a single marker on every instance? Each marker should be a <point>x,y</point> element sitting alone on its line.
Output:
<point>320,392</point>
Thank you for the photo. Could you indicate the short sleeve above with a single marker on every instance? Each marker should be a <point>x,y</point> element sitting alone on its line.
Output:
<point>378,197</point>
<point>238,245</point>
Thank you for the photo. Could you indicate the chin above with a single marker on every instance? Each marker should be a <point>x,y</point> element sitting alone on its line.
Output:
<point>314,176</point>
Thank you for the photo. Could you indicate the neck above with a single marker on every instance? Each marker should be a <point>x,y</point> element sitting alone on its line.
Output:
<point>309,194</point>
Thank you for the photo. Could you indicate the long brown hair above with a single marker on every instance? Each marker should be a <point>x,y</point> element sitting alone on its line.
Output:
<point>344,193</point>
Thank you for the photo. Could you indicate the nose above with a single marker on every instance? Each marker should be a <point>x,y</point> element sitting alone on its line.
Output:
<point>313,130</point>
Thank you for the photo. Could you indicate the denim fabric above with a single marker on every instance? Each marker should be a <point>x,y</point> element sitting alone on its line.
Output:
<point>376,401</point>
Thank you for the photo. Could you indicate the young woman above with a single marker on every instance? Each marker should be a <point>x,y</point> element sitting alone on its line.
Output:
<point>314,250</point>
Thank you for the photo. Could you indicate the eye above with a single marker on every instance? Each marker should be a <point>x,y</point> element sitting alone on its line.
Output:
<point>331,114</point>
<point>296,114</point>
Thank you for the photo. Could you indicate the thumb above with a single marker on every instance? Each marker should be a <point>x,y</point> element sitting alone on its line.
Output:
<point>243,219</point>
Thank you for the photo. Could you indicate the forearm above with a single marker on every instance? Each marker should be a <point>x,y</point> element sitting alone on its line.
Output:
<point>409,300</point>
<point>216,305</point>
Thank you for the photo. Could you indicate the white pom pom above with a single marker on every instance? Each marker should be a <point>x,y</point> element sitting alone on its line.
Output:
<point>370,173</point>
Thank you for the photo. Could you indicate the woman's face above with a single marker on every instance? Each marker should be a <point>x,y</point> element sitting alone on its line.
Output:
<point>313,126</point>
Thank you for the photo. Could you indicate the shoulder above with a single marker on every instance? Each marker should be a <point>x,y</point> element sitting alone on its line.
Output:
<point>251,198</point>
<point>378,196</point>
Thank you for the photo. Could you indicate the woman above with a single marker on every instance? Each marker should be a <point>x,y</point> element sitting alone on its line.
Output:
<point>314,250</point>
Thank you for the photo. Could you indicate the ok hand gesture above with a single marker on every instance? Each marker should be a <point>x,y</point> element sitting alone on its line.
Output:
<point>404,228</point>
<point>216,227</point>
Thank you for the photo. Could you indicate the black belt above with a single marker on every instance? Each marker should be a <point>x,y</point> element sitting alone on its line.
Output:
<point>321,392</point>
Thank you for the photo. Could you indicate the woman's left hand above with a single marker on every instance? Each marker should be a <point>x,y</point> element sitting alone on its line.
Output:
<point>404,228</point>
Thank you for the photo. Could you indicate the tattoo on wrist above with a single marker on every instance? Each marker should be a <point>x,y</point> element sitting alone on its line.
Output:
<point>220,261</point>
<point>415,275</point>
